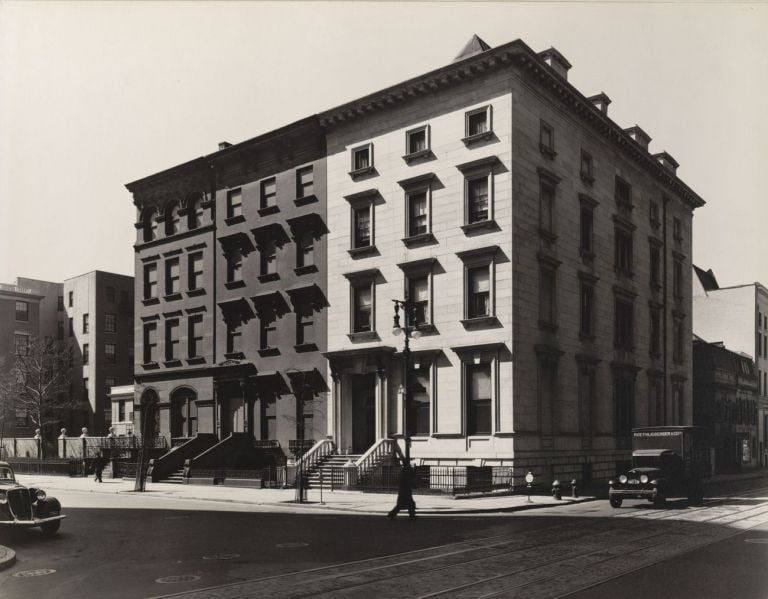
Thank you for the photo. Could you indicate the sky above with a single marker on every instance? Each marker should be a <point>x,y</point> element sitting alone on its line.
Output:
<point>98,94</point>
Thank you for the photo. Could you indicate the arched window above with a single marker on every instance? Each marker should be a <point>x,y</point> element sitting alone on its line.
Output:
<point>183,413</point>
<point>172,222</point>
<point>149,222</point>
<point>195,214</point>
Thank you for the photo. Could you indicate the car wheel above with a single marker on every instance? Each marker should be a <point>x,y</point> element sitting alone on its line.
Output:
<point>660,501</point>
<point>50,528</point>
<point>615,501</point>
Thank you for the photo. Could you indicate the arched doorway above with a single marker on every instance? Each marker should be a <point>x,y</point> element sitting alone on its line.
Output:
<point>183,414</point>
<point>150,415</point>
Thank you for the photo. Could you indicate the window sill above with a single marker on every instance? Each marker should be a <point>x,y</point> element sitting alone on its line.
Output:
<point>175,363</point>
<point>305,270</point>
<point>549,236</point>
<point>547,326</point>
<point>426,329</point>
<point>304,200</point>
<point>235,355</point>
<point>269,351</point>
<point>547,151</point>
<point>621,273</point>
<point>416,156</point>
<point>489,224</point>
<point>364,336</point>
<point>480,322</point>
<point>150,365</point>
<point>273,276</point>
<point>196,360</point>
<point>196,292</point>
<point>587,178</point>
<point>361,172</point>
<point>233,220</point>
<point>363,251</point>
<point>172,297</point>
<point>234,284</point>
<point>267,210</point>
<point>477,137</point>
<point>586,254</point>
<point>305,347</point>
<point>417,240</point>
<point>150,301</point>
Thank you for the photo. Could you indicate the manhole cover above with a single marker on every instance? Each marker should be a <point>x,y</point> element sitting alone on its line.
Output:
<point>762,541</point>
<point>177,579</point>
<point>222,556</point>
<point>31,573</point>
<point>291,545</point>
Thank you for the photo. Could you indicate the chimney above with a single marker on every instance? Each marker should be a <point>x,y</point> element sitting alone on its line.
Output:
<point>639,136</point>
<point>223,145</point>
<point>601,102</point>
<point>556,61</point>
<point>667,161</point>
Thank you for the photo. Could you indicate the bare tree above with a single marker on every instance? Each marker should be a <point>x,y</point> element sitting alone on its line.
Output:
<point>35,380</point>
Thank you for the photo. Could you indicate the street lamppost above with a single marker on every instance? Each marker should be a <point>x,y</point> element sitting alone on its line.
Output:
<point>409,329</point>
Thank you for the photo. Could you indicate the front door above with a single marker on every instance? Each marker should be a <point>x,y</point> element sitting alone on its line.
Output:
<point>363,412</point>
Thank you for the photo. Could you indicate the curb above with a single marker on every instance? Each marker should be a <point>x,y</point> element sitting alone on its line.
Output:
<point>7,557</point>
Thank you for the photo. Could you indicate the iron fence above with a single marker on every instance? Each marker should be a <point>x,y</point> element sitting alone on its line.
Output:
<point>271,477</point>
<point>55,466</point>
<point>455,480</point>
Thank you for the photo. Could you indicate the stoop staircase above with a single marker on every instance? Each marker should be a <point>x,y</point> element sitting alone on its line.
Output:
<point>332,469</point>
<point>176,477</point>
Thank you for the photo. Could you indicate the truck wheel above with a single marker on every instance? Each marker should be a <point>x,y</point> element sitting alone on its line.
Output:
<point>615,501</point>
<point>50,528</point>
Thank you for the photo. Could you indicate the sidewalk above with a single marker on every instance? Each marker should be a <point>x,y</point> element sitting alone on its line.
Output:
<point>336,501</point>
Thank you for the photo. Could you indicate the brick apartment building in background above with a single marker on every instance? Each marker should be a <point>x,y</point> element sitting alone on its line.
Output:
<point>547,249</point>
<point>94,313</point>
<point>737,316</point>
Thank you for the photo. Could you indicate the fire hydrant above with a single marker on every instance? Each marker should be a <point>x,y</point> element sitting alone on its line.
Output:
<point>556,491</point>
<point>574,489</point>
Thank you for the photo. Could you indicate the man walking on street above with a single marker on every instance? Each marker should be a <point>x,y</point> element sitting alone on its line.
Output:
<point>98,467</point>
<point>405,493</point>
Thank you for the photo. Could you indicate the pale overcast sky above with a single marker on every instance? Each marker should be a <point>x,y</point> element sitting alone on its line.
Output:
<point>95,95</point>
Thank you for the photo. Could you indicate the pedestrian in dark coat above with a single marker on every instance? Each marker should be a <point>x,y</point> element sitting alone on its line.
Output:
<point>405,493</point>
<point>98,467</point>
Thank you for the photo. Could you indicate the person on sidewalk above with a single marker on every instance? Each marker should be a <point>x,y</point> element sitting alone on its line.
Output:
<point>405,493</point>
<point>98,468</point>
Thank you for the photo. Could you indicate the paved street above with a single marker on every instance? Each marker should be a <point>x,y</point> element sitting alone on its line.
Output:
<point>123,545</point>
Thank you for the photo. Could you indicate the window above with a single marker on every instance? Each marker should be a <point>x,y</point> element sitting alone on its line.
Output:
<point>677,279</point>
<point>195,214</point>
<point>234,337</point>
<point>150,281</point>
<point>547,297</point>
<point>71,298</point>
<point>150,342</point>
<point>234,266</point>
<point>109,382</point>
<point>111,353</point>
<point>305,182</point>
<point>268,193</point>
<point>124,298</point>
<point>586,308</point>
<point>477,199</point>
<point>268,258</point>
<point>586,222</point>
<point>655,332</point>
<point>586,391</point>
<point>623,324</point>
<point>418,214</point>
<point>172,276</point>
<point>654,214</point>
<point>195,335</point>
<point>305,249</point>
<point>362,228</point>
<point>121,410</point>
<point>478,398</point>
<point>305,324</point>
<point>362,159</point>
<point>417,141</point>
<point>172,340</point>
<point>110,323</point>
<point>172,221</point>
<point>21,344</point>
<point>420,387</point>
<point>85,390</point>
<point>60,306</point>
<point>60,330</point>
<point>85,324</point>
<point>547,193</point>
<point>362,298</point>
<point>677,340</point>
<point>677,229</point>
<point>623,403</point>
<point>477,123</point>
<point>478,292</point>
<point>148,226</point>
<point>110,294</point>
<point>623,251</point>
<point>22,311</point>
<point>655,258</point>
<point>623,194</point>
<point>547,139</point>
<point>195,271</point>
<point>418,294</point>
<point>267,330</point>
<point>656,416</point>
<point>678,401</point>
<point>586,169</point>
<point>71,327</point>
<point>234,203</point>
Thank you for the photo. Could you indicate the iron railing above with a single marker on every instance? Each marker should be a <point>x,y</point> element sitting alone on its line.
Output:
<point>55,466</point>
<point>271,477</point>
<point>455,480</point>
<point>312,458</point>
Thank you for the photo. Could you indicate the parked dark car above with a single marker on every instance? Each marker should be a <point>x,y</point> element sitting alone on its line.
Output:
<point>22,507</point>
<point>667,461</point>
